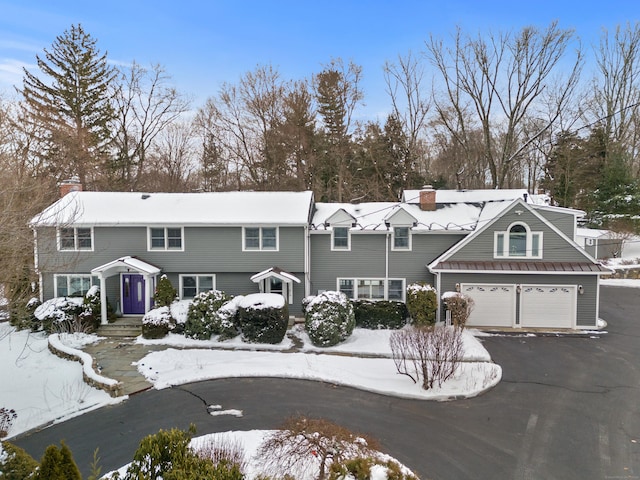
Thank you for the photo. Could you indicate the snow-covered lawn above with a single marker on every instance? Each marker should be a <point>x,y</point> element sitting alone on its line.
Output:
<point>39,386</point>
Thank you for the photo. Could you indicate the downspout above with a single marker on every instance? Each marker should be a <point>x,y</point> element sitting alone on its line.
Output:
<point>36,265</point>
<point>386,266</point>
<point>307,261</point>
<point>103,299</point>
<point>438,297</point>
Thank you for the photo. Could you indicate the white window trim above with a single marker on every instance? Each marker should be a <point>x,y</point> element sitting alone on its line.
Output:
<point>393,240</point>
<point>386,281</point>
<point>166,240</point>
<point>528,246</point>
<point>333,245</point>
<point>260,247</point>
<point>57,277</point>
<point>75,240</point>
<point>182,275</point>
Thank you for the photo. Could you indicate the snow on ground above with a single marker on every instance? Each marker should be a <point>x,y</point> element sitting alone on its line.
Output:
<point>43,388</point>
<point>250,441</point>
<point>175,366</point>
<point>620,282</point>
<point>39,386</point>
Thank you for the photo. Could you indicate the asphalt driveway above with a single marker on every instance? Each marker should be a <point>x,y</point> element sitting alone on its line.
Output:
<point>567,408</point>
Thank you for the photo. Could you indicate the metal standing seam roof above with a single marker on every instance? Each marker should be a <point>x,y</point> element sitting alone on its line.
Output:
<point>523,266</point>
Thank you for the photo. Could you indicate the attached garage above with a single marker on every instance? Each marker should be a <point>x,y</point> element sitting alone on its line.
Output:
<point>548,306</point>
<point>528,306</point>
<point>494,305</point>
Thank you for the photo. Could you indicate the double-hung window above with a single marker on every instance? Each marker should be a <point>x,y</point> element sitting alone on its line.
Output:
<point>340,238</point>
<point>372,288</point>
<point>518,241</point>
<point>73,285</point>
<point>260,238</point>
<point>166,238</point>
<point>401,238</point>
<point>75,238</point>
<point>191,285</point>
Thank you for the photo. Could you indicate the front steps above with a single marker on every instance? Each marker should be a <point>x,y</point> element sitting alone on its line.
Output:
<point>122,327</point>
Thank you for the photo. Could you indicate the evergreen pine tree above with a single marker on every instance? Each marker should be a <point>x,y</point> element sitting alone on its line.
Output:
<point>70,105</point>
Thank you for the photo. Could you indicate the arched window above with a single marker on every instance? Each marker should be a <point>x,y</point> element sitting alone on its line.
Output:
<point>518,241</point>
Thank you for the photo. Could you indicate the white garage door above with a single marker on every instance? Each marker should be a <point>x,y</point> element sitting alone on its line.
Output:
<point>551,306</point>
<point>494,305</point>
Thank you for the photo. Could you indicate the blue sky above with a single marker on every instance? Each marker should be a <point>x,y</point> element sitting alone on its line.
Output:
<point>202,44</point>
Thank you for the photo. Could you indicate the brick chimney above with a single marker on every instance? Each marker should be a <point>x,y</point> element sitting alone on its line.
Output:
<point>427,198</point>
<point>70,185</point>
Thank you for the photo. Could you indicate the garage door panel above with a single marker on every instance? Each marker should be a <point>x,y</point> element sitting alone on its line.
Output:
<point>550,306</point>
<point>494,304</point>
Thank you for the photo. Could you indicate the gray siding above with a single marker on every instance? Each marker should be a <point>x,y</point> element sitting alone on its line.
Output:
<point>565,222</point>
<point>554,247</point>
<point>216,250</point>
<point>587,302</point>
<point>206,249</point>
<point>367,258</point>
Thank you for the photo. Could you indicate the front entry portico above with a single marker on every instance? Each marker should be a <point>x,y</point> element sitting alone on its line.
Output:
<point>136,284</point>
<point>276,280</point>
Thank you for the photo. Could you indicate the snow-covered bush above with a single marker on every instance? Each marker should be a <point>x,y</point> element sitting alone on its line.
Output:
<point>165,292</point>
<point>59,314</point>
<point>225,320</point>
<point>157,323</point>
<point>369,467</point>
<point>422,303</point>
<point>329,319</point>
<point>201,318</point>
<point>263,318</point>
<point>460,306</point>
<point>380,314</point>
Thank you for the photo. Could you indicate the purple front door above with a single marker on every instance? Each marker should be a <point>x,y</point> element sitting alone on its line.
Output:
<point>132,294</point>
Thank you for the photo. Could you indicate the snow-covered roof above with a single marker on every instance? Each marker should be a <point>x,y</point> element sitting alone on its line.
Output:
<point>477,196</point>
<point>373,215</point>
<point>215,208</point>
<point>591,232</point>
<point>125,264</point>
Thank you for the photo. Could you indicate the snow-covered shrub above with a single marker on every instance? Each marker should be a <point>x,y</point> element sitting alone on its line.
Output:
<point>329,319</point>
<point>92,308</point>
<point>225,320</point>
<point>7,417</point>
<point>380,314</point>
<point>422,303</point>
<point>201,315</point>
<point>157,323</point>
<point>369,467</point>
<point>15,462</point>
<point>263,318</point>
<point>460,306</point>
<point>59,314</point>
<point>165,292</point>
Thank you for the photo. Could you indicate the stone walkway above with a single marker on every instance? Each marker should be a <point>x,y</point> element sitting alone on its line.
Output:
<point>114,358</point>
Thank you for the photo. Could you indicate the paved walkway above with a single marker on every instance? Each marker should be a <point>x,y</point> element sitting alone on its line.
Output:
<point>115,358</point>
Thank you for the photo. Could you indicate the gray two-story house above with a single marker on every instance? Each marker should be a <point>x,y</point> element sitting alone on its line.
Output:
<point>512,253</point>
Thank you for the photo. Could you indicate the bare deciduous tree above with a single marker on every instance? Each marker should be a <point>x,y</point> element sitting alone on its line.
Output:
<point>428,355</point>
<point>493,84</point>
<point>304,445</point>
<point>145,105</point>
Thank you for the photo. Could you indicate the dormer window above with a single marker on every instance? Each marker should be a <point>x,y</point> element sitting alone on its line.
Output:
<point>518,241</point>
<point>340,239</point>
<point>401,238</point>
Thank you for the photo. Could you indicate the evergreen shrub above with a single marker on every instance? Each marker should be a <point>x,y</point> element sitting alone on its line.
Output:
<point>201,318</point>
<point>422,303</point>
<point>263,318</point>
<point>380,314</point>
<point>59,314</point>
<point>165,292</point>
<point>58,464</point>
<point>16,463</point>
<point>329,319</point>
<point>157,323</point>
